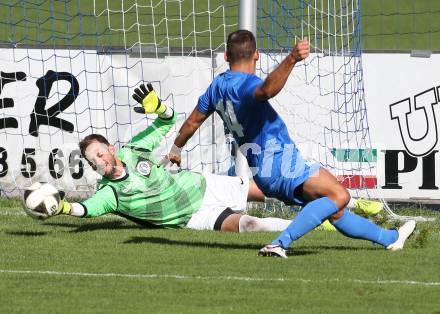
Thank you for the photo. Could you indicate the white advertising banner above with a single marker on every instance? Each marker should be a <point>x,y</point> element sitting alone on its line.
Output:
<point>402,95</point>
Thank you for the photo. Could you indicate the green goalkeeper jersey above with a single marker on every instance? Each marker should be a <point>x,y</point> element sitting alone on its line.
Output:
<point>148,193</point>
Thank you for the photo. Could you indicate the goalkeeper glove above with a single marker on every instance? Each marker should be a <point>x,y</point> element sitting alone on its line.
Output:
<point>149,100</point>
<point>64,207</point>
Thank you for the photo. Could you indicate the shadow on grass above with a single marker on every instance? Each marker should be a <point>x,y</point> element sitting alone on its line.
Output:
<point>339,248</point>
<point>96,226</point>
<point>26,233</point>
<point>237,246</point>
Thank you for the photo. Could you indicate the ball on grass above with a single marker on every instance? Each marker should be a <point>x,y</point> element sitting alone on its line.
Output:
<point>41,200</point>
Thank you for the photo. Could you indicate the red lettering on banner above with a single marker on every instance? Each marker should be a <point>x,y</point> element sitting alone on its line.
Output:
<point>358,181</point>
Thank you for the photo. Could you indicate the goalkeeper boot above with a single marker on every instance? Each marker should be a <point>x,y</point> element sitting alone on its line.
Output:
<point>273,250</point>
<point>367,208</point>
<point>404,232</point>
<point>326,226</point>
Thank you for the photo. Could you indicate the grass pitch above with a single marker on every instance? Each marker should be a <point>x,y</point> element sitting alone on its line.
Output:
<point>385,24</point>
<point>108,265</point>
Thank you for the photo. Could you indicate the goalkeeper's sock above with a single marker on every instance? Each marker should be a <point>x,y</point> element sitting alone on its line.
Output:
<point>354,226</point>
<point>311,216</point>
<point>250,224</point>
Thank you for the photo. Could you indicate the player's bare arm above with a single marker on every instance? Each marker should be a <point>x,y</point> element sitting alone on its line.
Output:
<point>276,80</point>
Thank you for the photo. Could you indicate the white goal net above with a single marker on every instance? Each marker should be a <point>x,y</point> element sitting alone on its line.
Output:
<point>69,69</point>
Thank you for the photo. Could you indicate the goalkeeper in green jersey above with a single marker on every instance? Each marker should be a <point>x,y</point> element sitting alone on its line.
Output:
<point>136,187</point>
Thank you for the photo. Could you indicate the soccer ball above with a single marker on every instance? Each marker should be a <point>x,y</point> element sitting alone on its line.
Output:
<point>41,200</point>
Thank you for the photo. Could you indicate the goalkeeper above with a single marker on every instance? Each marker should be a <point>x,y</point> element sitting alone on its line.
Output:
<point>134,186</point>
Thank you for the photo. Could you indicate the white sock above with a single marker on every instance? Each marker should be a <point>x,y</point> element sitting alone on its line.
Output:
<point>250,224</point>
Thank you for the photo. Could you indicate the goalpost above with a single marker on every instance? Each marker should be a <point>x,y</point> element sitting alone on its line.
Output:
<point>69,69</point>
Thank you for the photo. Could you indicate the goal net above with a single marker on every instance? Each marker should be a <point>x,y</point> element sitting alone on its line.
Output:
<point>323,102</point>
<point>69,69</point>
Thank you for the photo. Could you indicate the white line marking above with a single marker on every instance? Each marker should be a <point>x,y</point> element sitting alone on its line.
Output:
<point>184,277</point>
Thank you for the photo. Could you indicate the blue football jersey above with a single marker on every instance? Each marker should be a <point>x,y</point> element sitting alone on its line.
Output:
<point>277,165</point>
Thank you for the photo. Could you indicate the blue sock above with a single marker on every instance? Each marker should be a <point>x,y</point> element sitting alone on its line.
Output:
<point>311,216</point>
<point>354,226</point>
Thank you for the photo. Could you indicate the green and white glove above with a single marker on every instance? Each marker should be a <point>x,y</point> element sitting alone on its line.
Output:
<point>149,100</point>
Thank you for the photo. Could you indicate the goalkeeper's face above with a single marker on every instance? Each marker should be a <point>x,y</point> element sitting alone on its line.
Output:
<point>101,158</point>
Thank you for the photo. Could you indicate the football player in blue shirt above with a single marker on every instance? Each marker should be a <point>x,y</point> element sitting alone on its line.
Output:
<point>241,99</point>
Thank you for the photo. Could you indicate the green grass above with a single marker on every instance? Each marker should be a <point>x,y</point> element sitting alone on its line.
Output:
<point>107,265</point>
<point>400,24</point>
<point>117,23</point>
<point>385,24</point>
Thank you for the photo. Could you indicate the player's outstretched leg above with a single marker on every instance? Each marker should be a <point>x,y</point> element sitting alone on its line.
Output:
<point>355,226</point>
<point>349,224</point>
<point>330,200</point>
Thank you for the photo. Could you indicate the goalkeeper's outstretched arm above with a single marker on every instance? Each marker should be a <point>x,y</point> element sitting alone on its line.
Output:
<point>72,209</point>
<point>42,205</point>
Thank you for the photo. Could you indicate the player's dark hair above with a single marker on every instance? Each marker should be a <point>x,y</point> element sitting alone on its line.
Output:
<point>89,139</point>
<point>241,46</point>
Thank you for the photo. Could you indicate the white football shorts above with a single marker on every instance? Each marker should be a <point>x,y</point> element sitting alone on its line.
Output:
<point>221,192</point>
